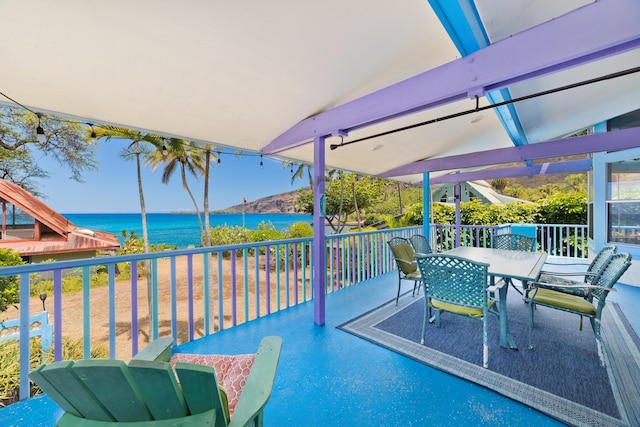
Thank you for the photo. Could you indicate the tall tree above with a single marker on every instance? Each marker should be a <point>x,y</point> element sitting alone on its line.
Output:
<point>64,140</point>
<point>183,155</point>
<point>136,150</point>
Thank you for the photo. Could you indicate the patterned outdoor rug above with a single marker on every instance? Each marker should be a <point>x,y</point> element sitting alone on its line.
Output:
<point>561,376</point>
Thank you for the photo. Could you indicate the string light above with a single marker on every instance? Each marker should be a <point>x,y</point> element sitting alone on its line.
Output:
<point>93,132</point>
<point>41,136</point>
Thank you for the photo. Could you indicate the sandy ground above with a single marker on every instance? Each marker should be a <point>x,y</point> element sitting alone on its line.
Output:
<point>72,311</point>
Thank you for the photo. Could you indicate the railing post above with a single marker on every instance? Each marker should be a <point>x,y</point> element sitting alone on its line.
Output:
<point>319,253</point>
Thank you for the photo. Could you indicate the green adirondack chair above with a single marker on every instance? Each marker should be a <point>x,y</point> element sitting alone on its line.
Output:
<point>148,392</point>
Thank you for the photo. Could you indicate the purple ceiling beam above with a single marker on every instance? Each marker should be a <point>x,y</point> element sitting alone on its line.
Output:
<point>607,141</point>
<point>570,166</point>
<point>597,30</point>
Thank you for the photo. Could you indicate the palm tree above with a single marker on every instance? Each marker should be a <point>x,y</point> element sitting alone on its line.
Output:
<point>299,172</point>
<point>205,203</point>
<point>176,154</point>
<point>134,150</point>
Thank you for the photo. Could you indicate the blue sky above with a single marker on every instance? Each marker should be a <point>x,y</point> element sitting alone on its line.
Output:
<point>113,187</point>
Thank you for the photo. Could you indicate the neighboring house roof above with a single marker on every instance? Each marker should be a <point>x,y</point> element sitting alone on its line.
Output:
<point>57,233</point>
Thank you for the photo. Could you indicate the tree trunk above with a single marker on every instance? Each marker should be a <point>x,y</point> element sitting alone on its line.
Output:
<point>145,241</point>
<point>195,203</point>
<point>205,202</point>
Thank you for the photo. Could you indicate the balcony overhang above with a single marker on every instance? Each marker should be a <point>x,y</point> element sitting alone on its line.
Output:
<point>555,45</point>
<point>599,142</point>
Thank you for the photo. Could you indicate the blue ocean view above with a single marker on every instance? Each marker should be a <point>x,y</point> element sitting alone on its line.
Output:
<point>180,230</point>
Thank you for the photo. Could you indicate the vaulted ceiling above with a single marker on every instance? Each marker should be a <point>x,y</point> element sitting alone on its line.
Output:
<point>271,76</point>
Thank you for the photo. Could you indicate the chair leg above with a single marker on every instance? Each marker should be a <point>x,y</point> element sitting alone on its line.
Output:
<point>595,324</point>
<point>532,307</point>
<point>485,341</point>
<point>427,312</point>
<point>398,296</point>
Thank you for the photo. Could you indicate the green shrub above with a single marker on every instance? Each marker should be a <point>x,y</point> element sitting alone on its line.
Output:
<point>299,230</point>
<point>9,285</point>
<point>70,283</point>
<point>563,208</point>
<point>413,216</point>
<point>72,349</point>
<point>265,232</point>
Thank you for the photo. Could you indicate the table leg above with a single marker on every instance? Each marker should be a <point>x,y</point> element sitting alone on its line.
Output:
<point>506,340</point>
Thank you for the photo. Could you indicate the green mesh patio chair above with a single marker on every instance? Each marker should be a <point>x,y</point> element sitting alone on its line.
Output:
<point>514,242</point>
<point>403,255</point>
<point>456,285</point>
<point>543,294</point>
<point>589,275</point>
<point>420,244</point>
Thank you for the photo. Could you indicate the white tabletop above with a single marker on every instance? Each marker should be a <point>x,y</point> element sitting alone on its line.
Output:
<point>519,265</point>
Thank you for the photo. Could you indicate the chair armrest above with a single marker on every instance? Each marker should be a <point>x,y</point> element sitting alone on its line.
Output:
<point>498,285</point>
<point>158,350</point>
<point>568,273</point>
<point>257,390</point>
<point>579,285</point>
<point>566,263</point>
<point>406,261</point>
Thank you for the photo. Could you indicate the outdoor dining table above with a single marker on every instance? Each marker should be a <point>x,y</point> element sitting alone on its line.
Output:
<point>506,264</point>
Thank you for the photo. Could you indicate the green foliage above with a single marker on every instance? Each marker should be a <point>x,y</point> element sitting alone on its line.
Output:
<point>266,232</point>
<point>563,208</point>
<point>413,216</point>
<point>391,221</point>
<point>135,245</point>
<point>66,141</point>
<point>299,230</point>
<point>343,193</point>
<point>72,349</point>
<point>70,283</point>
<point>229,235</point>
<point>9,285</point>
<point>443,214</point>
<point>499,184</point>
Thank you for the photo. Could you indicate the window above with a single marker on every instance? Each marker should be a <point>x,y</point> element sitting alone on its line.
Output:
<point>623,202</point>
<point>17,225</point>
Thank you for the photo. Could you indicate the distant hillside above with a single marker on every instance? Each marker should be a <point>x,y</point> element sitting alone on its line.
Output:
<point>284,202</point>
<point>278,203</point>
<point>540,180</point>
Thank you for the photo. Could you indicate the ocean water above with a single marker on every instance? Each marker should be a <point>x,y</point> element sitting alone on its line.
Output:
<point>180,230</point>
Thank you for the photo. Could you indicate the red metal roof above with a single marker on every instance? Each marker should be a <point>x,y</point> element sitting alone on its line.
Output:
<point>66,237</point>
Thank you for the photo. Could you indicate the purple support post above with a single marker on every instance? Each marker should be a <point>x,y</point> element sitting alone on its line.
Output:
<point>456,193</point>
<point>319,246</point>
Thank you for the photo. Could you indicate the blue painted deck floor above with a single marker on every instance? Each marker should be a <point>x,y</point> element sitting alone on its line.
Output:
<point>327,377</point>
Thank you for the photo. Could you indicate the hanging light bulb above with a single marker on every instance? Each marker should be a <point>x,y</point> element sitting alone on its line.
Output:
<point>93,133</point>
<point>39,131</point>
<point>261,164</point>
<point>219,157</point>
